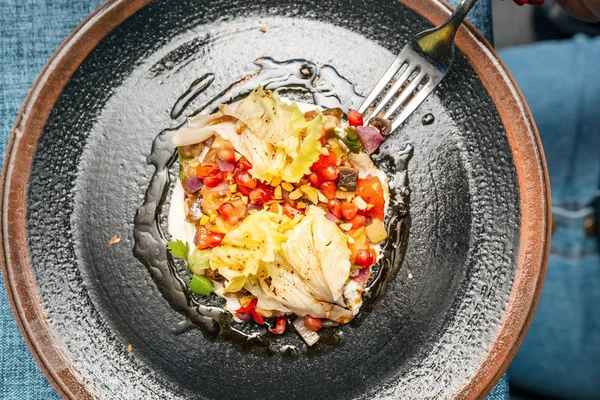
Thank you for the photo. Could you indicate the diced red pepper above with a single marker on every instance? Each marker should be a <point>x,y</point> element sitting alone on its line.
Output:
<point>229,212</point>
<point>335,207</point>
<point>259,319</point>
<point>261,194</point>
<point>279,326</point>
<point>244,164</point>
<point>328,173</point>
<point>204,170</point>
<point>355,118</point>
<point>313,179</point>
<point>324,161</point>
<point>245,180</point>
<point>329,189</point>
<point>207,239</point>
<point>214,179</point>
<point>250,306</point>
<point>312,323</point>
<point>371,191</point>
<point>364,258</point>
<point>358,222</point>
<point>227,155</point>
<point>349,211</point>
<point>291,211</point>
<point>214,239</point>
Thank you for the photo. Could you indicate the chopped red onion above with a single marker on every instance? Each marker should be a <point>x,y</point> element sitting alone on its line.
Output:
<point>246,317</point>
<point>370,137</point>
<point>286,196</point>
<point>193,183</point>
<point>362,277</point>
<point>309,336</point>
<point>209,141</point>
<point>196,239</point>
<point>221,187</point>
<point>332,217</point>
<point>252,207</point>
<point>225,166</point>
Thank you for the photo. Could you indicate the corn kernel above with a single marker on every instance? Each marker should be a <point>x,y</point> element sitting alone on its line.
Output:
<point>346,227</point>
<point>287,186</point>
<point>311,193</point>
<point>301,205</point>
<point>278,193</point>
<point>245,200</point>
<point>322,197</point>
<point>204,220</point>
<point>275,181</point>
<point>296,194</point>
<point>360,203</point>
<point>233,188</point>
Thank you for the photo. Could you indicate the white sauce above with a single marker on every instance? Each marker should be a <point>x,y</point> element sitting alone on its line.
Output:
<point>178,227</point>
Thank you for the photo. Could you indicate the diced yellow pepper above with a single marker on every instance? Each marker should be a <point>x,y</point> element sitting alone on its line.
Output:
<point>376,231</point>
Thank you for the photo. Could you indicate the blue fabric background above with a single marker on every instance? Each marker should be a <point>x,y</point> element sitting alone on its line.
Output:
<point>560,356</point>
<point>30,31</point>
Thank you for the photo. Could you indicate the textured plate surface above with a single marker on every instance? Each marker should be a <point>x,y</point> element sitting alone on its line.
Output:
<point>76,172</point>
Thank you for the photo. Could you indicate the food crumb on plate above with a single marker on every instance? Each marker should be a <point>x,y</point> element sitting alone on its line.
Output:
<point>410,275</point>
<point>262,28</point>
<point>114,240</point>
<point>129,348</point>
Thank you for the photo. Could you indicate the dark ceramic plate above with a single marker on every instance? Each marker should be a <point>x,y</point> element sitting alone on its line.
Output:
<point>76,171</point>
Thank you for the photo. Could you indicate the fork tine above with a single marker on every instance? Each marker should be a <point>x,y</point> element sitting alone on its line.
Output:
<point>393,91</point>
<point>382,82</point>
<point>413,104</point>
<point>405,94</point>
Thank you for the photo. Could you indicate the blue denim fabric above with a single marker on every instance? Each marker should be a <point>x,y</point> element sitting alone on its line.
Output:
<point>30,30</point>
<point>560,355</point>
<point>481,16</point>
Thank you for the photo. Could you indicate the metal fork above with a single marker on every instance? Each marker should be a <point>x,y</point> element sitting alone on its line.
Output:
<point>422,64</point>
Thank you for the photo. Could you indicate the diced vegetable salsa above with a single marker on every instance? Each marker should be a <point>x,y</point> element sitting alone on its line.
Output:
<point>285,223</point>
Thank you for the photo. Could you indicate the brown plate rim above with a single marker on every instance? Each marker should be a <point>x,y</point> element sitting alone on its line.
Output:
<point>516,117</point>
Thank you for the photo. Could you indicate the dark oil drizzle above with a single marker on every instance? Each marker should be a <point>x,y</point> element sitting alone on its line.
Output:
<point>329,90</point>
<point>197,87</point>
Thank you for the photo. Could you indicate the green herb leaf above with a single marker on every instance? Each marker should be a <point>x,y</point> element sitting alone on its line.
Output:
<point>351,139</point>
<point>182,158</point>
<point>178,249</point>
<point>181,174</point>
<point>199,260</point>
<point>201,285</point>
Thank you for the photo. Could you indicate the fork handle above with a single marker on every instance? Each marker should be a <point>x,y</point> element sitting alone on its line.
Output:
<point>438,42</point>
<point>459,15</point>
